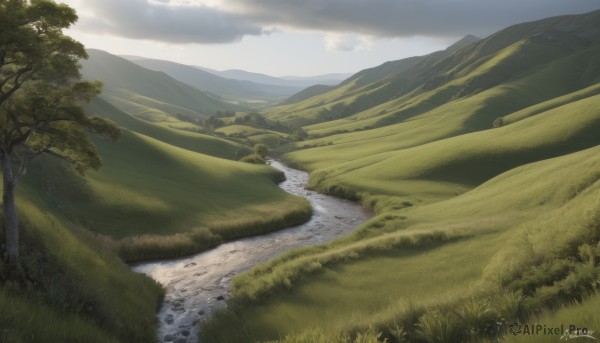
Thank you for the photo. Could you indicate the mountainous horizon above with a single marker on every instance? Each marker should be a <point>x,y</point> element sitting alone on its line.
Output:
<point>259,78</point>
<point>243,84</point>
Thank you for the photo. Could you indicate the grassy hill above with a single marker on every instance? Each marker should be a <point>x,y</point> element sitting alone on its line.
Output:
<point>197,142</point>
<point>70,288</point>
<point>360,91</point>
<point>482,166</point>
<point>126,80</point>
<point>153,190</point>
<point>453,74</point>
<point>440,254</point>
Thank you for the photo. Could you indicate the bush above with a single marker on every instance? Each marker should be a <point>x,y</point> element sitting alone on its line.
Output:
<point>509,305</point>
<point>437,327</point>
<point>254,159</point>
<point>260,150</point>
<point>478,318</point>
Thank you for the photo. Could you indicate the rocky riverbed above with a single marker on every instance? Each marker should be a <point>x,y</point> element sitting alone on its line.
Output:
<point>198,284</point>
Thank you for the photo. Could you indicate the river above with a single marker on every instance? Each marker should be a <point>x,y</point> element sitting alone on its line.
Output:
<point>198,284</point>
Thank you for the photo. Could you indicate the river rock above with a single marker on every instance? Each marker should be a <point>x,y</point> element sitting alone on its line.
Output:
<point>169,319</point>
<point>169,338</point>
<point>220,297</point>
<point>185,333</point>
<point>201,313</point>
<point>181,340</point>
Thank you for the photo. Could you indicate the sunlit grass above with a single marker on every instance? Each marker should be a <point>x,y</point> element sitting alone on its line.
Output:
<point>71,288</point>
<point>325,287</point>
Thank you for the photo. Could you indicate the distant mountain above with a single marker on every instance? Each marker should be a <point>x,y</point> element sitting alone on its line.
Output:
<point>213,83</point>
<point>128,83</point>
<point>289,81</point>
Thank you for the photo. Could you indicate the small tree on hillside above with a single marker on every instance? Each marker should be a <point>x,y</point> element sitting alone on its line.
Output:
<point>299,134</point>
<point>261,150</point>
<point>41,94</point>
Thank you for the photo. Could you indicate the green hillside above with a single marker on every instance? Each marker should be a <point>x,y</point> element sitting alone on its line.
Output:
<point>70,288</point>
<point>125,79</point>
<point>151,187</point>
<point>192,141</point>
<point>441,77</point>
<point>428,256</point>
<point>365,89</point>
<point>482,165</point>
<point>224,87</point>
<point>307,93</point>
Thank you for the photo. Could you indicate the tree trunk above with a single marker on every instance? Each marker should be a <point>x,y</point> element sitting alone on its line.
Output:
<point>11,225</point>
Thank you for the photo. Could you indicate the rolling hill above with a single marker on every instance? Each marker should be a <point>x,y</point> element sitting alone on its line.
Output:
<point>127,83</point>
<point>481,162</point>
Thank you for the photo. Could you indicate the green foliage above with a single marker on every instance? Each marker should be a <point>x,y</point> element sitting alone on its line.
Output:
<point>70,288</point>
<point>253,159</point>
<point>510,305</point>
<point>151,247</point>
<point>212,122</point>
<point>478,318</point>
<point>299,134</point>
<point>40,99</point>
<point>437,327</point>
<point>40,94</point>
<point>261,150</point>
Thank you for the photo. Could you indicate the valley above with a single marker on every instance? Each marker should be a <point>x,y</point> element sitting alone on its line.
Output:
<point>436,198</point>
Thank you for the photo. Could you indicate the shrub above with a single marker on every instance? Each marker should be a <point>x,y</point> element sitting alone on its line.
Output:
<point>437,327</point>
<point>254,159</point>
<point>478,318</point>
<point>509,305</point>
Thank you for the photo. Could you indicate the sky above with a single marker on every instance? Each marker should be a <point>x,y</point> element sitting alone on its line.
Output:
<point>297,37</point>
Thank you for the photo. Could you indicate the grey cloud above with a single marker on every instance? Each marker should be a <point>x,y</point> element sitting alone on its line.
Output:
<point>141,19</point>
<point>402,18</point>
<point>377,18</point>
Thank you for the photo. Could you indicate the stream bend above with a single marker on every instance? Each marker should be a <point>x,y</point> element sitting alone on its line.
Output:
<point>198,284</point>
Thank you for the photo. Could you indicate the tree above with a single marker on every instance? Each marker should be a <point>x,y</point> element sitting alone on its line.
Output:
<point>299,134</point>
<point>41,97</point>
<point>261,150</point>
<point>211,122</point>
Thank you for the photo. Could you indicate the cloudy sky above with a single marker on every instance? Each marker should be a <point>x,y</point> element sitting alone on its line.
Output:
<point>297,37</point>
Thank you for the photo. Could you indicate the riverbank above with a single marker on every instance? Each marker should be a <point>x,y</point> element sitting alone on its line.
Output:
<point>199,284</point>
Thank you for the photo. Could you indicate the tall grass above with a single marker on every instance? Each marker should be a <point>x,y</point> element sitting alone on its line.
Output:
<point>69,288</point>
<point>149,247</point>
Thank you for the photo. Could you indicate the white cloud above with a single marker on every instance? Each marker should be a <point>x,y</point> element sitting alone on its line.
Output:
<point>341,42</point>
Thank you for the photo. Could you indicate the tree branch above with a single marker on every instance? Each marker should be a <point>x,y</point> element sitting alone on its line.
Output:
<point>62,157</point>
<point>15,74</point>
<point>18,83</point>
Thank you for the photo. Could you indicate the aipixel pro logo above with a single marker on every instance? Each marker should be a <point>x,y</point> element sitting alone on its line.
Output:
<point>565,332</point>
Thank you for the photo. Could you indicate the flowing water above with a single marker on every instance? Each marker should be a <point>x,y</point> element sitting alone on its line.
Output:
<point>198,284</point>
